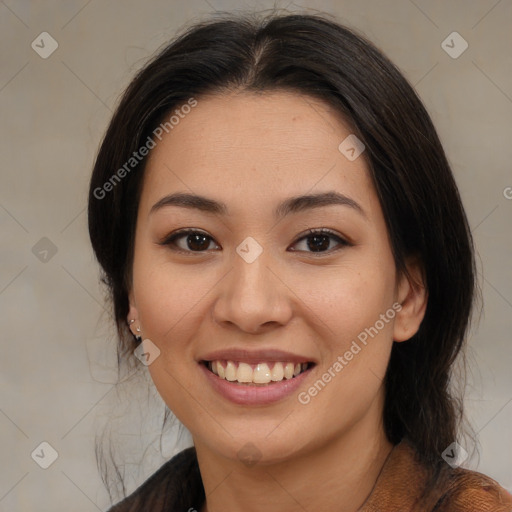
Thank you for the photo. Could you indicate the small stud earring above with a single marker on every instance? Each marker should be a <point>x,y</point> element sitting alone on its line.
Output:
<point>138,338</point>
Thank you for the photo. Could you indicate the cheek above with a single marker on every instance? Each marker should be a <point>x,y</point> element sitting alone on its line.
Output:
<point>170,310</point>
<point>349,297</point>
<point>168,297</point>
<point>356,306</point>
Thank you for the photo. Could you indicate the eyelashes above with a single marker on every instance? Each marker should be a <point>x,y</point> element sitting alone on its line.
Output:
<point>322,235</point>
<point>197,241</point>
<point>198,238</point>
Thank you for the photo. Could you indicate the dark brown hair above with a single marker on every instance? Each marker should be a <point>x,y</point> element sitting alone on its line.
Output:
<point>313,56</point>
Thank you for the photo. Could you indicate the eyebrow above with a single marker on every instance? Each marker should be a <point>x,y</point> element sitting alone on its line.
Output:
<point>291,205</point>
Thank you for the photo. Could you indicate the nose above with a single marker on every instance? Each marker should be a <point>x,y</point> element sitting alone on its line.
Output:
<point>252,297</point>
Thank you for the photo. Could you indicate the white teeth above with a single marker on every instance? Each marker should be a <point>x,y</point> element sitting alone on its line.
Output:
<point>288,371</point>
<point>230,371</point>
<point>277,372</point>
<point>261,374</point>
<point>244,373</point>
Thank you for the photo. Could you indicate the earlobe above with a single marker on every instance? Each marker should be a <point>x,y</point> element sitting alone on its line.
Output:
<point>133,317</point>
<point>413,297</point>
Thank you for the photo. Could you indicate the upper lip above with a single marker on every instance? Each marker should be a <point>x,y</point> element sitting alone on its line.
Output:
<point>255,356</point>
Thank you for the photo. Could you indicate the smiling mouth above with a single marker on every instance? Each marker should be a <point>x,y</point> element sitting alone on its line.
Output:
<point>260,374</point>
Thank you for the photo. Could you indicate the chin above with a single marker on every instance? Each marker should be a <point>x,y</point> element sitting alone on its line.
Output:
<point>250,449</point>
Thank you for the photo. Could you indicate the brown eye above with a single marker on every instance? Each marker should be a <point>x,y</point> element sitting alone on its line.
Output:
<point>189,241</point>
<point>319,241</point>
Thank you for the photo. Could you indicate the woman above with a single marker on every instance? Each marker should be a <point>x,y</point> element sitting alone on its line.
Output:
<point>282,234</point>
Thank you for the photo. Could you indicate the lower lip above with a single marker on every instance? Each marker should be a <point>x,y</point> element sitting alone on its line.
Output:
<point>243,394</point>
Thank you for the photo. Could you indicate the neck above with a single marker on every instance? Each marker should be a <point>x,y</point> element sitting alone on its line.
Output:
<point>340,475</point>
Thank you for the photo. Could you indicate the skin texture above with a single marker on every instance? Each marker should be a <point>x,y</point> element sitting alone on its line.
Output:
<point>252,152</point>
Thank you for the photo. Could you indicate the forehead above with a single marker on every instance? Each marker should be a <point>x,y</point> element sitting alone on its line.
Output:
<point>258,144</point>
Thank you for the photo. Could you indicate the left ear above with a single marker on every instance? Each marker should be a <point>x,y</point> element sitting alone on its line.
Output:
<point>133,316</point>
<point>413,297</point>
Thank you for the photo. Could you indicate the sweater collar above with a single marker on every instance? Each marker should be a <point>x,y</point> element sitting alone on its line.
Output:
<point>401,483</point>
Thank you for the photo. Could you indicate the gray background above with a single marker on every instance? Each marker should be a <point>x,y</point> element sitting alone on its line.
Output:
<point>56,366</point>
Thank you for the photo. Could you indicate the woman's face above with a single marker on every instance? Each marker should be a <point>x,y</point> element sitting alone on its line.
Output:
<point>257,294</point>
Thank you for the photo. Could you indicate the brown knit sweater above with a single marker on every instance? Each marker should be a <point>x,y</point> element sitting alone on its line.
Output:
<point>177,487</point>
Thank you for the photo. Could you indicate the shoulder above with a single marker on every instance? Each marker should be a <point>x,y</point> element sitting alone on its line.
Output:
<point>175,485</point>
<point>408,483</point>
<point>469,491</point>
